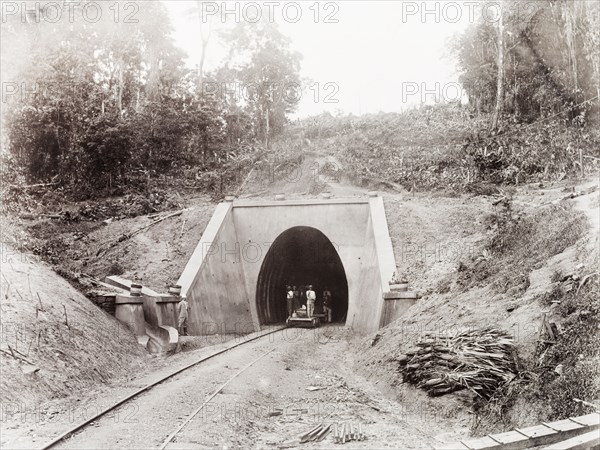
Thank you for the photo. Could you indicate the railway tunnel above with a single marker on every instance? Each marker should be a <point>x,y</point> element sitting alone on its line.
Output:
<point>251,249</point>
<point>300,256</point>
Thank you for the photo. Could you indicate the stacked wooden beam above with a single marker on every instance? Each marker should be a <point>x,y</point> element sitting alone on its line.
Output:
<point>342,433</point>
<point>480,360</point>
<point>346,432</point>
<point>317,434</point>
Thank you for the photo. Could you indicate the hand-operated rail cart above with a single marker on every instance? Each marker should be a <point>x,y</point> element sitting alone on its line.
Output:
<point>301,319</point>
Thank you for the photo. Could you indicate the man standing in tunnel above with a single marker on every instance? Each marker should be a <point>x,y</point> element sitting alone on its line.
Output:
<point>310,301</point>
<point>327,303</point>
<point>290,301</point>
<point>296,298</point>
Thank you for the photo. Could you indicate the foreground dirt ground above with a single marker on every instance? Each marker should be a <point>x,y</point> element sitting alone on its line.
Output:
<point>306,380</point>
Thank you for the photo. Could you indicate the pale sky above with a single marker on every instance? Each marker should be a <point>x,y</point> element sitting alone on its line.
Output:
<point>381,56</point>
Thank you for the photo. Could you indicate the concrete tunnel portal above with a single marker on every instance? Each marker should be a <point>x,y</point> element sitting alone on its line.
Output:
<point>300,256</point>
<point>339,243</point>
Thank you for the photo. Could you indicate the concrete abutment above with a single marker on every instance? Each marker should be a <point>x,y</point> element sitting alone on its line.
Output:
<point>250,250</point>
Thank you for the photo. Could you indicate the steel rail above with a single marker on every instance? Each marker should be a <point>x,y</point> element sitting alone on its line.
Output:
<point>125,399</point>
<point>213,395</point>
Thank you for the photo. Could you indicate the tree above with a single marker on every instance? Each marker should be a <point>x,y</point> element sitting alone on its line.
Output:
<point>205,26</point>
<point>500,70</point>
<point>113,99</point>
<point>536,60</point>
<point>267,73</point>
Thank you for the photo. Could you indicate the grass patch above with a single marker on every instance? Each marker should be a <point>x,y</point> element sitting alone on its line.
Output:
<point>551,382</point>
<point>520,245</point>
<point>555,295</point>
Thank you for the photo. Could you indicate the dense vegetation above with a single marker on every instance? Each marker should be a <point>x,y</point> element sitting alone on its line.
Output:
<point>109,107</point>
<point>533,60</point>
<point>100,108</point>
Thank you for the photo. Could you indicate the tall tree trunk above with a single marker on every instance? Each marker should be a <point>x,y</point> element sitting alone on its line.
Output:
<point>201,65</point>
<point>153,83</point>
<point>570,24</point>
<point>500,76</point>
<point>204,36</point>
<point>120,88</point>
<point>515,88</point>
<point>267,127</point>
<point>204,145</point>
<point>591,39</point>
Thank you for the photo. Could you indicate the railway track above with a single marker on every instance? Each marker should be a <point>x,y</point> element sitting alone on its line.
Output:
<point>189,418</point>
<point>80,426</point>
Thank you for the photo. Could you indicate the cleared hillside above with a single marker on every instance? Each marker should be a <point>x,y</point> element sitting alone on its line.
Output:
<point>446,147</point>
<point>55,342</point>
<point>541,257</point>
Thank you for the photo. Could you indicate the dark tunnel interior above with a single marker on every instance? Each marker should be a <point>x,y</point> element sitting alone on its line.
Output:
<point>300,256</point>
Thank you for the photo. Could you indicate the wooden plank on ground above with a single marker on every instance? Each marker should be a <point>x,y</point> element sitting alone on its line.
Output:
<point>508,437</point>
<point>484,442</point>
<point>563,425</point>
<point>453,446</point>
<point>583,441</point>
<point>544,434</point>
<point>536,431</point>
<point>588,420</point>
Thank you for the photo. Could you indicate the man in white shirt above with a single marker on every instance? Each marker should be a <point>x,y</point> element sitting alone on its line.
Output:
<point>310,301</point>
<point>290,301</point>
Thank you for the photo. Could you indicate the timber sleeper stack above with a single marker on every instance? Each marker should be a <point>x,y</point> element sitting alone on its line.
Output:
<point>480,360</point>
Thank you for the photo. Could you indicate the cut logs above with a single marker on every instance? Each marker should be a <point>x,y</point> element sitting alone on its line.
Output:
<point>479,360</point>
<point>347,431</point>
<point>317,434</point>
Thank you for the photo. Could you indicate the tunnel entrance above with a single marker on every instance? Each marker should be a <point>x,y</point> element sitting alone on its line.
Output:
<point>300,256</point>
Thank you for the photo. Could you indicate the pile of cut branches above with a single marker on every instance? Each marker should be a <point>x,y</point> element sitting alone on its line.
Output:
<point>480,360</point>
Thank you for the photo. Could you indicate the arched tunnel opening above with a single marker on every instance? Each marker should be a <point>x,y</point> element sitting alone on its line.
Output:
<point>300,256</point>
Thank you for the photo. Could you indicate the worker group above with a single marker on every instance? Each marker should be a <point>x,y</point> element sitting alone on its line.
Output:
<point>304,302</point>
